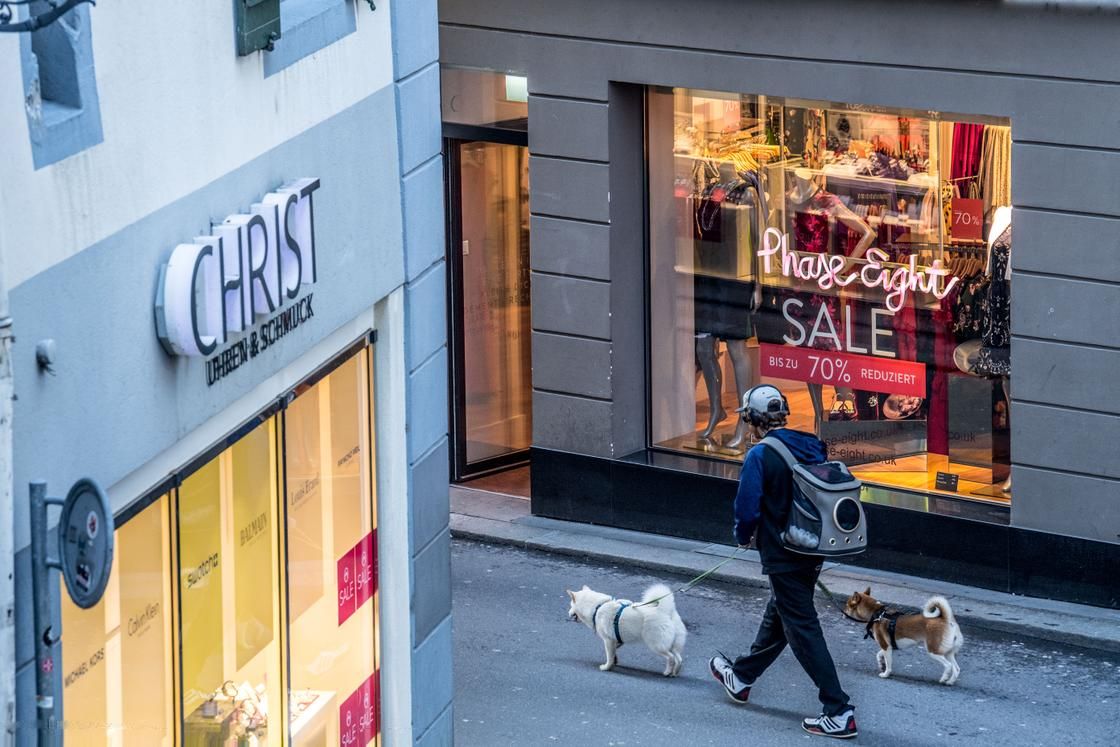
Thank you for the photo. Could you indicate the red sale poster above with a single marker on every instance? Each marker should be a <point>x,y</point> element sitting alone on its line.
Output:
<point>357,576</point>
<point>864,372</point>
<point>358,721</point>
<point>365,568</point>
<point>968,219</point>
<point>347,587</point>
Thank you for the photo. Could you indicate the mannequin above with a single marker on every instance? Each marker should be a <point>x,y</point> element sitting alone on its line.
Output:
<point>815,213</point>
<point>707,350</point>
<point>990,356</point>
<point>725,305</point>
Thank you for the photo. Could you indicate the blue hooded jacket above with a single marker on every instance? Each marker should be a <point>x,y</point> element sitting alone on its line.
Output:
<point>765,491</point>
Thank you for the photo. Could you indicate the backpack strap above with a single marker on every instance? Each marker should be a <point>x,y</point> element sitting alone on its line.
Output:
<point>782,450</point>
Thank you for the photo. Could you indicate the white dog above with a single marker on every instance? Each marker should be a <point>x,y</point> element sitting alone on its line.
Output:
<point>619,621</point>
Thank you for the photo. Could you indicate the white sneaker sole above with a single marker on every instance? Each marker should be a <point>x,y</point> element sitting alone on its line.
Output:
<point>719,679</point>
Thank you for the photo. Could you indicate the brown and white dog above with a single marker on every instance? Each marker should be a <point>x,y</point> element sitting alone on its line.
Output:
<point>935,627</point>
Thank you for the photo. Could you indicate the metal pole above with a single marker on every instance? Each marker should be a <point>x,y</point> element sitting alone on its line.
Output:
<point>41,591</point>
<point>7,522</point>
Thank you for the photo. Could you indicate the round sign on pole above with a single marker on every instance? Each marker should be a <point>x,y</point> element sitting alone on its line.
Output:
<point>85,542</point>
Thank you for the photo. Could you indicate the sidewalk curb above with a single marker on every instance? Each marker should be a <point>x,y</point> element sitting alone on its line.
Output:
<point>571,544</point>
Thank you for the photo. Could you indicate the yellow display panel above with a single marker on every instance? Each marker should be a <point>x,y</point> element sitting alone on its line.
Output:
<point>200,585</point>
<point>127,635</point>
<point>230,597</point>
<point>333,696</point>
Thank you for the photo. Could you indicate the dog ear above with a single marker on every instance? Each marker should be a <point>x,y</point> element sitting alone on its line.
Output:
<point>585,588</point>
<point>571,594</point>
<point>868,592</point>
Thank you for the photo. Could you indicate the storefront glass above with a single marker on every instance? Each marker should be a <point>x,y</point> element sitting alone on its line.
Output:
<point>332,566</point>
<point>484,98</point>
<point>497,372</point>
<point>276,602</point>
<point>124,638</point>
<point>854,256</point>
<point>229,599</point>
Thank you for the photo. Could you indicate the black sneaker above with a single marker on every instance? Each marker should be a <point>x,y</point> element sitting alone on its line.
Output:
<point>725,675</point>
<point>841,726</point>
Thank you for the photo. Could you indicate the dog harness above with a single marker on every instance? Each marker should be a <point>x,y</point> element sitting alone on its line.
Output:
<point>891,616</point>
<point>617,617</point>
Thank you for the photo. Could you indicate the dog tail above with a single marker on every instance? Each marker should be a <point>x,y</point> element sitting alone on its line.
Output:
<point>938,607</point>
<point>666,605</point>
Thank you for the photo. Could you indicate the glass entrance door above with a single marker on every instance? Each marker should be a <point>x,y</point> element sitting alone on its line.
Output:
<point>488,251</point>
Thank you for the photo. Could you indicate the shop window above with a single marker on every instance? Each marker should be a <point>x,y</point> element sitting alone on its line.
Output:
<point>60,88</point>
<point>275,605</point>
<point>306,27</point>
<point>332,560</point>
<point>854,256</point>
<point>229,594</point>
<point>123,639</point>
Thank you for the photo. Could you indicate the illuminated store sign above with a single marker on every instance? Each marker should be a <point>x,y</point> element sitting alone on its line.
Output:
<point>247,270</point>
<point>828,271</point>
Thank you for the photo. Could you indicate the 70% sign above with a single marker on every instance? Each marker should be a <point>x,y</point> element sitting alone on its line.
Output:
<point>805,365</point>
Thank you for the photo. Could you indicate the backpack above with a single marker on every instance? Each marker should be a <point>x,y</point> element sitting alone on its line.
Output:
<point>825,515</point>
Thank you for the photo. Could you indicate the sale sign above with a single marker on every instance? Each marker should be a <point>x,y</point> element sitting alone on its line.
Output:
<point>357,576</point>
<point>358,715</point>
<point>347,587</point>
<point>968,219</point>
<point>863,372</point>
<point>365,569</point>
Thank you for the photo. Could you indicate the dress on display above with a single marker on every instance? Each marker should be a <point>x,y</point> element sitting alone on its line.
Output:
<point>727,230</point>
<point>812,231</point>
<point>994,358</point>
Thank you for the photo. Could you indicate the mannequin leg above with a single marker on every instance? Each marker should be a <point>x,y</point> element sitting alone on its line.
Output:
<point>707,348</point>
<point>741,365</point>
<point>1006,382</point>
<point>816,394</point>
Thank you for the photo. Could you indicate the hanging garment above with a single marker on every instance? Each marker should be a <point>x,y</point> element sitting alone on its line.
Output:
<point>995,350</point>
<point>937,429</point>
<point>812,224</point>
<point>967,144</point>
<point>995,168</point>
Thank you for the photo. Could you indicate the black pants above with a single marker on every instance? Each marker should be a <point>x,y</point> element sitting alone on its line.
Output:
<point>791,618</point>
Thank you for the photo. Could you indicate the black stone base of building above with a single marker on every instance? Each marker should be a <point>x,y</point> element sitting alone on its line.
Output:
<point>961,542</point>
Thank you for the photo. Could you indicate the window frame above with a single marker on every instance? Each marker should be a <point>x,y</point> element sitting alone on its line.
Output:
<point>57,132</point>
<point>306,26</point>
<point>170,486</point>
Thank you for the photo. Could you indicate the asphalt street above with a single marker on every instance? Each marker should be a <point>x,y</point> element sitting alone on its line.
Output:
<point>526,675</point>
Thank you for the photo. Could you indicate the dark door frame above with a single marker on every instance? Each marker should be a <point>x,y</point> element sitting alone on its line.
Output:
<point>453,137</point>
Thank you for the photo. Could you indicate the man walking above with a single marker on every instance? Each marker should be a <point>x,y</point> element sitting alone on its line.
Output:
<point>763,503</point>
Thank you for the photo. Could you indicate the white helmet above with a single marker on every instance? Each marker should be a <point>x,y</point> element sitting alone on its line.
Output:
<point>764,405</point>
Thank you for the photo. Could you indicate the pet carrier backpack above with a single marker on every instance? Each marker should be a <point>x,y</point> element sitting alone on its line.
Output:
<point>825,515</point>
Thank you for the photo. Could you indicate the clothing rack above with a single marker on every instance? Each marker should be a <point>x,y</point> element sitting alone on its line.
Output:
<point>967,248</point>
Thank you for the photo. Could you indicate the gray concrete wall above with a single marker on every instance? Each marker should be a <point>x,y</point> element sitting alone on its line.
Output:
<point>416,75</point>
<point>978,58</point>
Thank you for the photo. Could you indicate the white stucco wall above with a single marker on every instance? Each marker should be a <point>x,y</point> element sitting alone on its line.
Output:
<point>179,109</point>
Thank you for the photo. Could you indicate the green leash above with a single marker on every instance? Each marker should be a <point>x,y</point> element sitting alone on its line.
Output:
<point>694,581</point>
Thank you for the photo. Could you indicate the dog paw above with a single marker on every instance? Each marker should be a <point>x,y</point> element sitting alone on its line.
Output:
<point>884,675</point>
<point>606,667</point>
